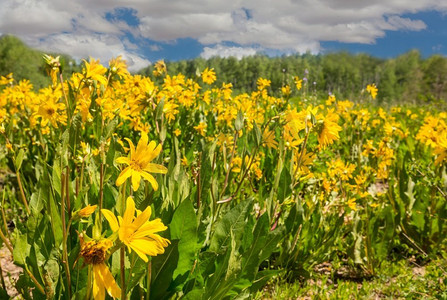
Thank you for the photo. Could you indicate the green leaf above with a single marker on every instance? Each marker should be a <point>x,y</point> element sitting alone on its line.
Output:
<point>159,109</point>
<point>55,220</point>
<point>284,187</point>
<point>138,271</point>
<point>56,176</point>
<point>257,134</point>
<point>110,128</point>
<point>183,227</point>
<point>232,222</point>
<point>19,159</point>
<point>263,244</point>
<point>36,202</point>
<point>410,195</point>
<point>227,270</point>
<point>163,267</point>
<point>21,250</point>
<point>239,123</point>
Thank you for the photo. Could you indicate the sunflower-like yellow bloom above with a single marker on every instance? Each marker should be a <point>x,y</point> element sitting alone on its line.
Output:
<point>329,129</point>
<point>139,163</point>
<point>94,253</point>
<point>372,89</point>
<point>137,232</point>
<point>208,76</point>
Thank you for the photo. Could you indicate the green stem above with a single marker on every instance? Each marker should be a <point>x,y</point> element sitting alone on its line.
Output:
<point>123,273</point>
<point>101,193</point>
<point>236,135</point>
<point>36,283</point>
<point>149,278</point>
<point>22,192</point>
<point>64,230</point>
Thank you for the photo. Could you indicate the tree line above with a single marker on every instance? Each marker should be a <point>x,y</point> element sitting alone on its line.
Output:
<point>406,78</point>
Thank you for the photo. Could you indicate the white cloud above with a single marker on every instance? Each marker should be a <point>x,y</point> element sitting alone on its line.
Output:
<point>99,46</point>
<point>224,51</point>
<point>80,27</point>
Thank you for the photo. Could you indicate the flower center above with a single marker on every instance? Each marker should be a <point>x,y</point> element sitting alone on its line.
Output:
<point>50,111</point>
<point>94,252</point>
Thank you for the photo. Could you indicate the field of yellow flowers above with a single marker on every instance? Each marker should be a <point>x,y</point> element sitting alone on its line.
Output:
<point>119,185</point>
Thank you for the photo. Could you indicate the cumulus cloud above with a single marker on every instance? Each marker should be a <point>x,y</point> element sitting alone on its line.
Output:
<point>84,27</point>
<point>226,51</point>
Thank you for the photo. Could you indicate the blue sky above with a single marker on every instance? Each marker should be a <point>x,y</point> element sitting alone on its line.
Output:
<point>429,41</point>
<point>146,31</point>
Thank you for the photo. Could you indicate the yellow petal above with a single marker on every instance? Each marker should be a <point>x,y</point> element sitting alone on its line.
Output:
<point>141,255</point>
<point>108,281</point>
<point>132,148</point>
<point>113,222</point>
<point>142,218</point>
<point>155,168</point>
<point>123,160</point>
<point>98,284</point>
<point>150,227</point>
<point>130,212</point>
<point>151,179</point>
<point>155,152</point>
<point>136,178</point>
<point>142,143</point>
<point>126,173</point>
<point>147,246</point>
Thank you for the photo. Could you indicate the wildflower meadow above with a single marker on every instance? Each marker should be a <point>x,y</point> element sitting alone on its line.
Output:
<point>125,186</point>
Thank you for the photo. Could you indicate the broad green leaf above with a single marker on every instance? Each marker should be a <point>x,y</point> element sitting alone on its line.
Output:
<point>284,187</point>
<point>239,123</point>
<point>183,227</point>
<point>138,271</point>
<point>21,250</point>
<point>257,134</point>
<point>19,159</point>
<point>232,223</point>
<point>163,267</point>
<point>56,176</point>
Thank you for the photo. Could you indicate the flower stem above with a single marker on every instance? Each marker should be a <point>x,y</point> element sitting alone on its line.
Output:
<point>123,274</point>
<point>149,279</point>
<point>22,193</point>
<point>64,191</point>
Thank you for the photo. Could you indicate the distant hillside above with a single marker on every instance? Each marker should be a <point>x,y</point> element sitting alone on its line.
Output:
<point>27,63</point>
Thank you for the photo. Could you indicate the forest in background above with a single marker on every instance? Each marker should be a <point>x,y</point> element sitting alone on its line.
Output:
<point>407,78</point>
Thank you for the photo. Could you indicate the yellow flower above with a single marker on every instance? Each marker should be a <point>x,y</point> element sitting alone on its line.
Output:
<point>268,139</point>
<point>201,128</point>
<point>208,76</point>
<point>263,83</point>
<point>86,211</point>
<point>118,66</point>
<point>329,129</point>
<point>159,68</point>
<point>53,67</point>
<point>137,232</point>
<point>139,163</point>
<point>330,99</point>
<point>94,253</point>
<point>372,89</point>
<point>352,204</point>
<point>8,79</point>
<point>286,91</point>
<point>95,71</point>
<point>177,132</point>
<point>298,82</point>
